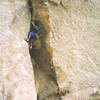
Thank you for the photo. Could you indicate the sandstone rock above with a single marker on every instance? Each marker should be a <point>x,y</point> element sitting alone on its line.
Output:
<point>74,39</point>
<point>16,72</point>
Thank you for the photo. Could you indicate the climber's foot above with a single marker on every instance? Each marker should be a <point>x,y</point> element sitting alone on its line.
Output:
<point>30,47</point>
<point>26,39</point>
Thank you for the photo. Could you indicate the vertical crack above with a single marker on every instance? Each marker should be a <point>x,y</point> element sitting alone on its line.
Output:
<point>45,77</point>
<point>30,8</point>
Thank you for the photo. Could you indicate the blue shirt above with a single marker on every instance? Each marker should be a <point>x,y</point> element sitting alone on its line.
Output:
<point>35,29</point>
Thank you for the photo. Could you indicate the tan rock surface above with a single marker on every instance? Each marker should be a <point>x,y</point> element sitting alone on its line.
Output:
<point>16,72</point>
<point>74,45</point>
<point>75,41</point>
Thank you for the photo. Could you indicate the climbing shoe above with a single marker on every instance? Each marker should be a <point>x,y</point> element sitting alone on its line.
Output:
<point>27,40</point>
<point>30,47</point>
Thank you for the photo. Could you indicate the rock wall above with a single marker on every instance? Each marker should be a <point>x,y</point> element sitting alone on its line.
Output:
<point>16,72</point>
<point>74,39</point>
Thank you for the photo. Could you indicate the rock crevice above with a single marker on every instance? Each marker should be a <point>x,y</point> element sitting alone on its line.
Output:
<point>44,76</point>
<point>73,44</point>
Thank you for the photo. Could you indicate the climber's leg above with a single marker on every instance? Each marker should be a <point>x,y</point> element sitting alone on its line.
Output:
<point>30,35</point>
<point>31,42</point>
<point>37,36</point>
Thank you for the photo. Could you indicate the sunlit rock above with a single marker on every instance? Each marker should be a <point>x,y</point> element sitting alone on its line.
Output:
<point>16,72</point>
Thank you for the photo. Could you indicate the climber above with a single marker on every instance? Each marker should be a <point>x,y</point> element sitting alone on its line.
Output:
<point>33,34</point>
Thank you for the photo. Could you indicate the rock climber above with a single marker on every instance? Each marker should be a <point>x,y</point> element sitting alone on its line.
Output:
<point>33,34</point>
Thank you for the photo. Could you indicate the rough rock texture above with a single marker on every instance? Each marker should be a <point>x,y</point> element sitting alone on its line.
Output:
<point>73,42</point>
<point>45,81</point>
<point>16,72</point>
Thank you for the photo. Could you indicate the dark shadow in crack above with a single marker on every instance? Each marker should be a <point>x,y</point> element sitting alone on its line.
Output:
<point>45,76</point>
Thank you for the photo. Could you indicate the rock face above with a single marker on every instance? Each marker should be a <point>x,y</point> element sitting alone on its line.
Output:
<point>74,38</point>
<point>16,72</point>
